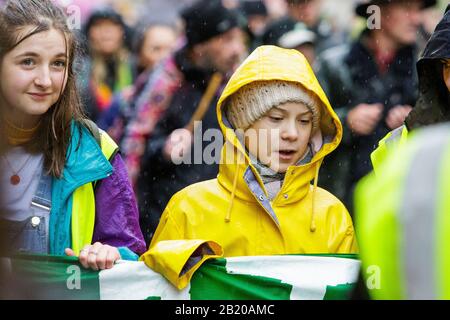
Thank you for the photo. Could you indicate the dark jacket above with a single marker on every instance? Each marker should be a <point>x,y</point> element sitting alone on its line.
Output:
<point>159,179</point>
<point>433,105</point>
<point>350,76</point>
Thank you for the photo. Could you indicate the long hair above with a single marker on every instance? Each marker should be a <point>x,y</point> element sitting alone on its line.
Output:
<point>54,134</point>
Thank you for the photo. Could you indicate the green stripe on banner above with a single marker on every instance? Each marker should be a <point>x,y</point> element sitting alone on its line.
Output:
<point>240,278</point>
<point>236,286</point>
<point>57,277</point>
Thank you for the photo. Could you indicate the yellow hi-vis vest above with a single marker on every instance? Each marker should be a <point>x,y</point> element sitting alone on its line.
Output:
<point>391,141</point>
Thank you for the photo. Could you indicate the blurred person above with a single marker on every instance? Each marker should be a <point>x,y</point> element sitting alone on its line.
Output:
<point>310,13</point>
<point>430,19</point>
<point>403,222</point>
<point>291,34</point>
<point>255,12</point>
<point>433,104</point>
<point>276,8</point>
<point>307,11</point>
<point>231,4</point>
<point>183,90</point>
<point>108,68</point>
<point>65,190</point>
<point>167,10</point>
<point>154,42</point>
<point>154,45</point>
<point>372,84</point>
<point>278,126</point>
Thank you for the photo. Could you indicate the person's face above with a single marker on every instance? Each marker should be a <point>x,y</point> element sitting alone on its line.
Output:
<point>401,20</point>
<point>306,11</point>
<point>32,76</point>
<point>446,73</point>
<point>106,37</point>
<point>159,42</point>
<point>224,52</point>
<point>280,138</point>
<point>257,24</point>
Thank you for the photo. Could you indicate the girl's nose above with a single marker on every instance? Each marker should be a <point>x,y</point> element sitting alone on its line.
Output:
<point>289,131</point>
<point>43,79</point>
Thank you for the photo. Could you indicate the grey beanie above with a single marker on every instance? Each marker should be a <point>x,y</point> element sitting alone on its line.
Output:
<point>253,101</point>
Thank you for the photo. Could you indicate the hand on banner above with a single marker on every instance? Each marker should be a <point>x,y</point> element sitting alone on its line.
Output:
<point>97,256</point>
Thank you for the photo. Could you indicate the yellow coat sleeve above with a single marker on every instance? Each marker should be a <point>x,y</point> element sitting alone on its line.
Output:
<point>173,256</point>
<point>343,239</point>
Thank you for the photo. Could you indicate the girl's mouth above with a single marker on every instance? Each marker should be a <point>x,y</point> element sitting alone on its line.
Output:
<point>39,96</point>
<point>286,154</point>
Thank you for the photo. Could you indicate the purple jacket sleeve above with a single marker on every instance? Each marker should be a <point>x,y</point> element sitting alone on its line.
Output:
<point>117,217</point>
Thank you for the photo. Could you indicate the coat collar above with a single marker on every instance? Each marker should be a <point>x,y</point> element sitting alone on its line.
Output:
<point>85,161</point>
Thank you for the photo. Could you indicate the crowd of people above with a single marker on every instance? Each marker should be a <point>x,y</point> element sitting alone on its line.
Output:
<point>232,131</point>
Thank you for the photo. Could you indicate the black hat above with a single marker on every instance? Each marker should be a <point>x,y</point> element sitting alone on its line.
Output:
<point>253,8</point>
<point>362,5</point>
<point>207,19</point>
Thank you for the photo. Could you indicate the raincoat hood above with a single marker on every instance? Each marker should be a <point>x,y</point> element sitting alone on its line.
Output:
<point>274,63</point>
<point>433,103</point>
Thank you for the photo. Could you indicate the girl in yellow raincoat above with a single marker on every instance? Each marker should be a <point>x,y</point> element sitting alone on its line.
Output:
<point>278,127</point>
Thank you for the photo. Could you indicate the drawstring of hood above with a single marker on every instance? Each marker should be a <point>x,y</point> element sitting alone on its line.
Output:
<point>233,194</point>
<point>312,226</point>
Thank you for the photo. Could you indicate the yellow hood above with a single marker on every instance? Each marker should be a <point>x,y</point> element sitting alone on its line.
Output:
<point>274,63</point>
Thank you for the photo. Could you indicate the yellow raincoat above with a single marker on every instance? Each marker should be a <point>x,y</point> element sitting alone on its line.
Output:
<point>232,216</point>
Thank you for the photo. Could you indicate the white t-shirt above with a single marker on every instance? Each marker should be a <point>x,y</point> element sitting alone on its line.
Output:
<point>15,200</point>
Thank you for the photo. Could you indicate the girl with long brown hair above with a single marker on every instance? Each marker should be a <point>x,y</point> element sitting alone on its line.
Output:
<point>64,186</point>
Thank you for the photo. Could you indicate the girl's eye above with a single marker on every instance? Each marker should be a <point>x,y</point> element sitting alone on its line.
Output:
<point>275,118</point>
<point>305,121</point>
<point>60,64</point>
<point>27,62</point>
